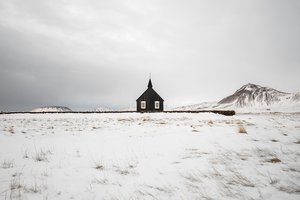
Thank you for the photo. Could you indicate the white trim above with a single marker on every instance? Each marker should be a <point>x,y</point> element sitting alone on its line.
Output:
<point>143,104</point>
<point>156,104</point>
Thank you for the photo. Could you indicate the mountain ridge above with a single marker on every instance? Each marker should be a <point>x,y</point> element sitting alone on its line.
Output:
<point>253,98</point>
<point>252,94</point>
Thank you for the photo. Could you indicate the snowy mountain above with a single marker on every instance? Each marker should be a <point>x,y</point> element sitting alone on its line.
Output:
<point>253,98</point>
<point>252,95</point>
<point>52,109</point>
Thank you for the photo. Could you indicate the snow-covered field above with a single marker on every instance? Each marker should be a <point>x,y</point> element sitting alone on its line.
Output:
<point>150,156</point>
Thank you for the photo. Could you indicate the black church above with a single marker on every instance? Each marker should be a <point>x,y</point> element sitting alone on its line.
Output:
<point>150,101</point>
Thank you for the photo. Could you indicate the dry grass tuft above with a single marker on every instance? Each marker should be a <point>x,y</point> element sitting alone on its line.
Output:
<point>15,183</point>
<point>41,155</point>
<point>7,164</point>
<point>25,154</point>
<point>210,123</point>
<point>34,188</point>
<point>99,166</point>
<point>273,181</point>
<point>101,181</point>
<point>292,188</point>
<point>11,130</point>
<point>242,129</point>
<point>274,160</point>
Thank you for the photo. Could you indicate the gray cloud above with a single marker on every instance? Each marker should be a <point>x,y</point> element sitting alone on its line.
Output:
<point>85,54</point>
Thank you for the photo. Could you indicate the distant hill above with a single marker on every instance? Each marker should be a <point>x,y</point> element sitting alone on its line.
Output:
<point>103,109</point>
<point>251,97</point>
<point>52,109</point>
<point>255,96</point>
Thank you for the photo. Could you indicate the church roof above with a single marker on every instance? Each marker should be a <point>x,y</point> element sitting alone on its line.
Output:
<point>150,92</point>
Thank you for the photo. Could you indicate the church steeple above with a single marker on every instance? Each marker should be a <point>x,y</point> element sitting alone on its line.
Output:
<point>150,83</point>
<point>150,101</point>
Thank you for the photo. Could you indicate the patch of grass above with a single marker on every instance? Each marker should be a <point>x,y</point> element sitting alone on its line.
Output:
<point>145,119</point>
<point>193,176</point>
<point>273,181</point>
<point>34,188</point>
<point>126,119</point>
<point>264,153</point>
<point>162,122</point>
<point>45,173</point>
<point>239,179</point>
<point>99,166</point>
<point>274,160</point>
<point>41,155</point>
<point>15,183</point>
<point>101,181</point>
<point>292,188</point>
<point>25,154</point>
<point>210,122</point>
<point>15,187</point>
<point>123,171</point>
<point>242,129</point>
<point>11,130</point>
<point>7,164</point>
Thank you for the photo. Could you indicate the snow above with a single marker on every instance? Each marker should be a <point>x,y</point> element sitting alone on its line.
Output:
<point>149,156</point>
<point>249,87</point>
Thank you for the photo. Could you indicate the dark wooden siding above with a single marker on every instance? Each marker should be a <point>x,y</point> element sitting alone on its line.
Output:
<point>150,96</point>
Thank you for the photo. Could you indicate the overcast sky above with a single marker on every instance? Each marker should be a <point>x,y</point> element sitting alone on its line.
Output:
<point>86,54</point>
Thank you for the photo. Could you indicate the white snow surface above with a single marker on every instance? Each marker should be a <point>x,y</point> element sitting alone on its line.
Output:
<point>149,156</point>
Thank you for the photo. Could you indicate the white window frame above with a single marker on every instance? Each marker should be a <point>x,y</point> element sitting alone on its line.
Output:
<point>143,104</point>
<point>156,104</point>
